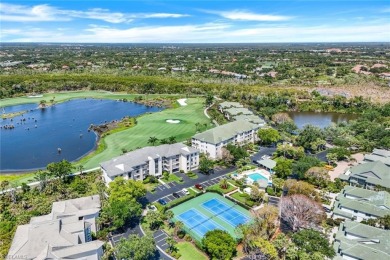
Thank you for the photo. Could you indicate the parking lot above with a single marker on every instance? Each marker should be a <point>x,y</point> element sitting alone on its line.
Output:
<point>160,238</point>
<point>170,197</point>
<point>166,186</point>
<point>211,182</point>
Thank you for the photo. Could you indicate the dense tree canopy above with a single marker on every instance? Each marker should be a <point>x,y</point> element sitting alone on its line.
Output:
<point>135,248</point>
<point>268,135</point>
<point>219,245</point>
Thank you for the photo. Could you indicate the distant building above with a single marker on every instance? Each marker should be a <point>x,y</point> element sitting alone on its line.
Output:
<point>368,175</point>
<point>378,155</point>
<point>212,141</point>
<point>356,241</point>
<point>65,233</point>
<point>151,160</point>
<point>224,105</point>
<point>231,112</point>
<point>360,204</point>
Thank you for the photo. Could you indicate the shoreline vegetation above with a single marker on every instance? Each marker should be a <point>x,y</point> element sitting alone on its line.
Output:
<point>13,114</point>
<point>190,115</point>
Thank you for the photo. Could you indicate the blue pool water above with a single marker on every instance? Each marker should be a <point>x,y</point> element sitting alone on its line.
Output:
<point>257,176</point>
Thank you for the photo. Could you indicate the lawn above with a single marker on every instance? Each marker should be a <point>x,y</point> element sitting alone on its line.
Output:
<point>172,177</point>
<point>217,187</point>
<point>189,252</point>
<point>64,96</point>
<point>153,125</point>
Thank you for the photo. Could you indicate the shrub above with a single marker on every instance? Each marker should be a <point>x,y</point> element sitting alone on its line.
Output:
<point>270,191</point>
<point>250,203</point>
<point>187,238</point>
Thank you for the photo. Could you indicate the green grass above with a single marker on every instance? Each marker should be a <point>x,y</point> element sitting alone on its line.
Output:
<point>217,187</point>
<point>67,95</point>
<point>17,178</point>
<point>189,252</point>
<point>152,125</point>
<point>197,202</point>
<point>171,178</point>
<point>238,196</point>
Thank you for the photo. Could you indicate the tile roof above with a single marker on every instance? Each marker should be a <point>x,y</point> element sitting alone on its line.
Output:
<point>362,241</point>
<point>225,132</point>
<point>127,162</point>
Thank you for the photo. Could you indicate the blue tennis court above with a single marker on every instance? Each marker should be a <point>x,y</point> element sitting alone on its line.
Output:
<point>197,222</point>
<point>226,212</point>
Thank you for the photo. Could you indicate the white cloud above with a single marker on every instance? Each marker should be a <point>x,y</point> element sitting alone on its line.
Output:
<point>46,13</point>
<point>22,13</point>
<point>242,15</point>
<point>211,33</point>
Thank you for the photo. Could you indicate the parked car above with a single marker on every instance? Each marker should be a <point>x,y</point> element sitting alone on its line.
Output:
<point>162,202</point>
<point>198,186</point>
<point>152,208</point>
<point>175,195</point>
<point>185,191</point>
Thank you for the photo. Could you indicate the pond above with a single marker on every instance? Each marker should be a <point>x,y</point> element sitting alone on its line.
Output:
<point>34,141</point>
<point>320,119</point>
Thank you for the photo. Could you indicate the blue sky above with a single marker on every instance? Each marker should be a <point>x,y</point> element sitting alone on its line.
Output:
<point>127,21</point>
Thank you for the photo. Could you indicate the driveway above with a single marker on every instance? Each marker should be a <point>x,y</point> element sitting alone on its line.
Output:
<point>263,151</point>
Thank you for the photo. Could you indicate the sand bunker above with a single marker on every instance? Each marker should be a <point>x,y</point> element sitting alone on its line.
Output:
<point>182,101</point>
<point>173,121</point>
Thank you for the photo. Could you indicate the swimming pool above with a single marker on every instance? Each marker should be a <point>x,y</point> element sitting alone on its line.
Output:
<point>257,176</point>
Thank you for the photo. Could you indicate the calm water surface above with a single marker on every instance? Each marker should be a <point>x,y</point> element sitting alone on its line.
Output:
<point>37,135</point>
<point>321,119</point>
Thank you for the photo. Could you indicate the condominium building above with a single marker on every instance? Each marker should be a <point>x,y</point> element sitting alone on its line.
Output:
<point>151,160</point>
<point>368,175</point>
<point>356,241</point>
<point>65,233</point>
<point>212,141</point>
<point>361,204</point>
<point>378,155</point>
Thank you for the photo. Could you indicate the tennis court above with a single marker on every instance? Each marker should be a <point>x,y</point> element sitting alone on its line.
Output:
<point>198,222</point>
<point>227,213</point>
<point>208,212</point>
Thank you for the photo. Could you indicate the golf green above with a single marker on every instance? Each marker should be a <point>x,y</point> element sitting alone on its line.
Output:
<point>154,125</point>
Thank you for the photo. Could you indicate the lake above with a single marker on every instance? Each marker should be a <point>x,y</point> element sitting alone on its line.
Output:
<point>38,134</point>
<point>320,119</point>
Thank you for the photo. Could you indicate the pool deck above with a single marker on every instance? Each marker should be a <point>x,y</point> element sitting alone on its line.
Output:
<point>261,171</point>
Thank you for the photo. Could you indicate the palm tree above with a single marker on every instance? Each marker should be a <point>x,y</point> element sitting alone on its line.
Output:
<point>178,227</point>
<point>81,168</point>
<point>171,244</point>
<point>197,125</point>
<point>152,140</point>
<point>169,215</point>
<point>164,141</point>
<point>172,139</point>
<point>223,184</point>
<point>42,103</point>
<point>41,177</point>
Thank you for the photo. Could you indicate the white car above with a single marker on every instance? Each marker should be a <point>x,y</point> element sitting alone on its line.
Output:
<point>185,191</point>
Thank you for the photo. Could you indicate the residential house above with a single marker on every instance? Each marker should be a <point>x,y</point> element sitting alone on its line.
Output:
<point>378,155</point>
<point>368,175</point>
<point>65,233</point>
<point>361,242</point>
<point>224,105</point>
<point>212,141</point>
<point>230,113</point>
<point>358,203</point>
<point>250,118</point>
<point>151,160</point>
